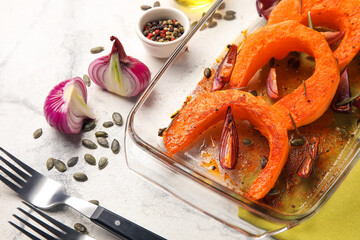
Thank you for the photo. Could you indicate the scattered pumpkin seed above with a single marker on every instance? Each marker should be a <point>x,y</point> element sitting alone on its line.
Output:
<point>212,24</point>
<point>193,24</point>
<point>273,192</point>
<point>207,72</point>
<point>89,144</point>
<point>115,146</point>
<point>80,177</point>
<point>103,162</point>
<point>80,228</point>
<point>89,126</point>
<point>72,161</point>
<point>161,131</point>
<point>90,159</point>
<point>145,7</point>
<point>117,118</point>
<point>217,16</point>
<point>222,6</point>
<point>230,12</point>
<point>254,92</point>
<point>156,4</point>
<point>297,142</point>
<point>102,141</point>
<point>87,80</point>
<point>98,49</point>
<point>37,133</point>
<point>96,202</point>
<point>108,124</point>
<point>229,17</point>
<point>247,142</point>
<point>50,163</point>
<point>263,162</point>
<point>101,134</point>
<point>203,27</point>
<point>342,130</point>
<point>59,165</point>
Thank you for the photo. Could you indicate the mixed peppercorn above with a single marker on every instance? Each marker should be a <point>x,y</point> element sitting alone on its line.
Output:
<point>163,30</point>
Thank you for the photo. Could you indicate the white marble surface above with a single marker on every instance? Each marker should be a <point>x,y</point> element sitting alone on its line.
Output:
<point>44,42</point>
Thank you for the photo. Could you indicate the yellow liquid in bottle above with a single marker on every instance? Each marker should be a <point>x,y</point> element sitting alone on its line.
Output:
<point>194,3</point>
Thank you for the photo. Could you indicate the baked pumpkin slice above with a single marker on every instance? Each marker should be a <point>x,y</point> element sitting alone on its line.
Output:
<point>209,108</point>
<point>277,41</point>
<point>343,15</point>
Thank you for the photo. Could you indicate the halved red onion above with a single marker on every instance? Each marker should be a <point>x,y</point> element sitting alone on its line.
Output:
<point>333,37</point>
<point>65,107</point>
<point>265,7</point>
<point>342,94</point>
<point>271,85</point>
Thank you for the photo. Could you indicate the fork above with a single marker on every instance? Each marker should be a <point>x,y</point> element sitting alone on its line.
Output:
<point>66,232</point>
<point>46,193</point>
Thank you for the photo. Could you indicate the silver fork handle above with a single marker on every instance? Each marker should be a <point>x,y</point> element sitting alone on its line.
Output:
<point>81,206</point>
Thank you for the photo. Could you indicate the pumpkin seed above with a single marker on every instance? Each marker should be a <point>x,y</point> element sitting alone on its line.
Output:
<point>156,4</point>
<point>89,144</point>
<point>103,163</point>
<point>263,162</point>
<point>230,12</point>
<point>96,202</point>
<point>117,118</point>
<point>297,142</point>
<point>145,7</point>
<point>217,16</point>
<point>108,124</point>
<point>59,165</point>
<point>193,24</point>
<point>89,126</point>
<point>212,24</point>
<point>115,146</point>
<point>98,49</point>
<point>50,163</point>
<point>203,27</point>
<point>37,133</point>
<point>101,134</point>
<point>229,17</point>
<point>207,72</point>
<point>80,177</point>
<point>247,142</point>
<point>90,159</point>
<point>87,80</point>
<point>72,161</point>
<point>222,6</point>
<point>102,141</point>
<point>80,228</point>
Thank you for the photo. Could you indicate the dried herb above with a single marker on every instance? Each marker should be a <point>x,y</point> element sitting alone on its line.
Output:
<point>304,85</point>
<point>296,129</point>
<point>310,22</point>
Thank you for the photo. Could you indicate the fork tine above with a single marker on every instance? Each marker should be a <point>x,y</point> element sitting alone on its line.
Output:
<point>50,219</point>
<point>40,222</point>
<point>12,176</point>
<point>24,231</point>
<point>10,184</point>
<point>13,167</point>
<point>19,162</point>
<point>37,230</point>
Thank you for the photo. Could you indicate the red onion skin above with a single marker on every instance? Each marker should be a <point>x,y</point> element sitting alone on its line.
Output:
<point>333,37</point>
<point>131,68</point>
<point>271,85</point>
<point>223,73</point>
<point>229,142</point>
<point>342,94</point>
<point>265,7</point>
<point>57,111</point>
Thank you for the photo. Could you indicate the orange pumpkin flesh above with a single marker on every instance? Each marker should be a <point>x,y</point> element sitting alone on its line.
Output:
<point>341,15</point>
<point>277,41</point>
<point>209,108</point>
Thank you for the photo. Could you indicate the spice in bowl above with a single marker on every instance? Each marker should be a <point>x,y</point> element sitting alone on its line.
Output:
<point>164,30</point>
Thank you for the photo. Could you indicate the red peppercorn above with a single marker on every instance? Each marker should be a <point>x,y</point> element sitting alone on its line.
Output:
<point>174,21</point>
<point>172,39</point>
<point>163,35</point>
<point>163,31</point>
<point>157,31</point>
<point>150,35</point>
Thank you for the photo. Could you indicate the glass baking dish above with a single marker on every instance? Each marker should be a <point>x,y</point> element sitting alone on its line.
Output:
<point>181,175</point>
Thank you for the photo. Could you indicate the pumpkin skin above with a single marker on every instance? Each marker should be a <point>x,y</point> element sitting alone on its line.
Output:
<point>277,41</point>
<point>341,15</point>
<point>209,108</point>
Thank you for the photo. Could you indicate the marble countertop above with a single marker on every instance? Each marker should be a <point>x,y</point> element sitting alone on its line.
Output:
<point>44,42</point>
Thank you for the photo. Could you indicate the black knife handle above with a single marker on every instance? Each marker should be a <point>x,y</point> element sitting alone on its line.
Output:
<point>121,226</point>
